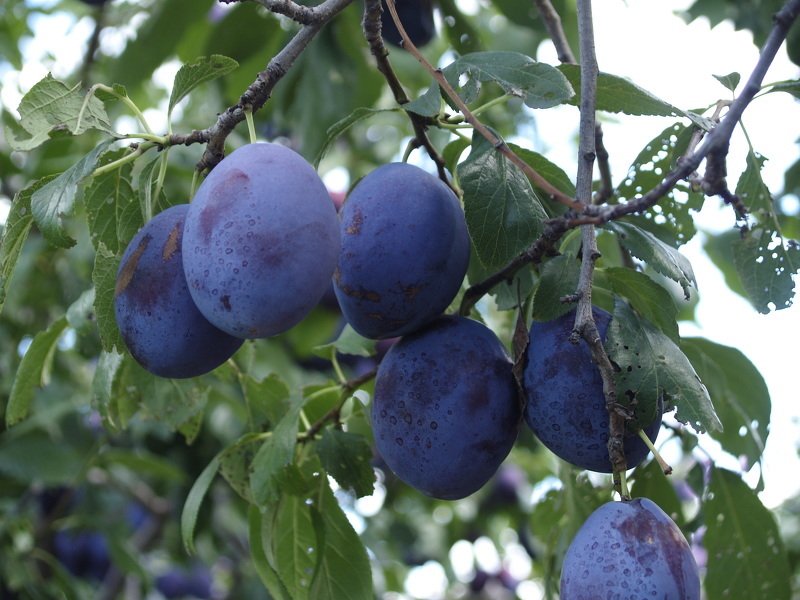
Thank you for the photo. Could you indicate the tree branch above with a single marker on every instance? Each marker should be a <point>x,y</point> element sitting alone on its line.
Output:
<point>716,144</point>
<point>372,31</point>
<point>499,144</point>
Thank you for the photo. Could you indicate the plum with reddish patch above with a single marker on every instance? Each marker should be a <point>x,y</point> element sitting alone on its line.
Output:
<point>630,551</point>
<point>260,242</point>
<point>405,251</point>
<point>445,411</point>
<point>565,403</point>
<point>159,322</point>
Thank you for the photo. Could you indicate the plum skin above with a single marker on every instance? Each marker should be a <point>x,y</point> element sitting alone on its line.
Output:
<point>565,404</point>
<point>158,321</point>
<point>260,242</point>
<point>405,251</point>
<point>446,411</point>
<point>417,19</point>
<point>629,550</point>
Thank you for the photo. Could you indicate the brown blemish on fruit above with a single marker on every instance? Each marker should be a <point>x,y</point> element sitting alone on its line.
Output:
<point>226,302</point>
<point>355,227</point>
<point>129,268</point>
<point>172,245</point>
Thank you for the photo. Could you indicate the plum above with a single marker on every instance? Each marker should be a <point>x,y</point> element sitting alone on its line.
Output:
<point>565,405</point>
<point>159,322</point>
<point>417,19</point>
<point>84,553</point>
<point>405,251</point>
<point>446,411</point>
<point>260,242</point>
<point>629,550</point>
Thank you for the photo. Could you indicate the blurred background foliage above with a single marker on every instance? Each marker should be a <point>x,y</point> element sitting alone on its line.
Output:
<point>86,513</point>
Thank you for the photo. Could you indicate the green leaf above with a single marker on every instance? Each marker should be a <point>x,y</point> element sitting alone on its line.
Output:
<point>236,462</point>
<point>268,400</point>
<point>18,225</point>
<point>558,277</point>
<point>651,365</point>
<point>344,571</point>
<point>747,558</point>
<point>338,128</point>
<point>503,214</point>
<point>790,87</point>
<point>764,260</point>
<point>104,278</point>
<point>765,265</point>
<point>730,81</point>
<point>650,482</point>
<point>33,371</point>
<point>618,95</point>
<point>551,172</point>
<point>56,200</point>
<point>672,213</point>
<point>192,75</point>
<point>294,545</point>
<point>103,388</point>
<point>538,84</point>
<point>660,256</point>
<point>174,402</point>
<point>37,457</point>
<point>741,396</point>
<point>50,106</point>
<point>347,457</point>
<point>348,342</point>
<point>191,508</point>
<point>113,215</point>
<point>428,104</point>
<point>275,453</point>
<point>260,535</point>
<point>649,298</point>
<point>143,463</point>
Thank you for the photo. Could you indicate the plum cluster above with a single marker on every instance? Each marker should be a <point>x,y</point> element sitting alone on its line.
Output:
<point>629,550</point>
<point>250,257</point>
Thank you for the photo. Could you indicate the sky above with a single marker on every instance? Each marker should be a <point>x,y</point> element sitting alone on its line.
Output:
<point>680,73</point>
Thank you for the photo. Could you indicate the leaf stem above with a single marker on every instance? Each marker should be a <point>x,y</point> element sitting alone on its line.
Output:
<point>664,465</point>
<point>130,103</point>
<point>251,128</point>
<point>116,164</point>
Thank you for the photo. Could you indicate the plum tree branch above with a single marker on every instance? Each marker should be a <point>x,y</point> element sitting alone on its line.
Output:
<point>585,326</point>
<point>257,94</point>
<point>372,31</point>
<point>470,118</point>
<point>717,142</point>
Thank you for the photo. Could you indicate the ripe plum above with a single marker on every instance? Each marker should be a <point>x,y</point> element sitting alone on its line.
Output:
<point>405,251</point>
<point>446,412</point>
<point>629,550</point>
<point>417,19</point>
<point>159,322</point>
<point>566,407</point>
<point>260,242</point>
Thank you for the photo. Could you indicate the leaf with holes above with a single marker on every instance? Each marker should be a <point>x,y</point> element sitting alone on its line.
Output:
<point>652,365</point>
<point>672,213</point>
<point>664,258</point>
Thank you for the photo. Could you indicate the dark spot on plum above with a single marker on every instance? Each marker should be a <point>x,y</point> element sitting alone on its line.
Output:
<point>226,302</point>
<point>128,270</point>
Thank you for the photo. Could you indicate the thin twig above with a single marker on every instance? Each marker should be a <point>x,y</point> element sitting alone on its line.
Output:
<point>470,118</point>
<point>717,141</point>
<point>372,31</point>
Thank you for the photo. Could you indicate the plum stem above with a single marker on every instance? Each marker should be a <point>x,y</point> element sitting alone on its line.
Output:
<point>251,128</point>
<point>664,465</point>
